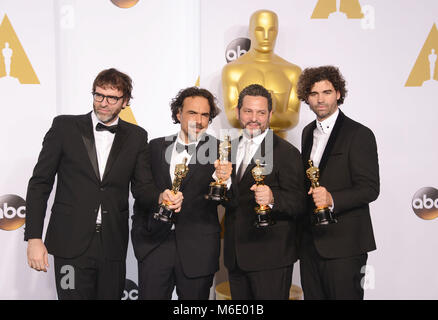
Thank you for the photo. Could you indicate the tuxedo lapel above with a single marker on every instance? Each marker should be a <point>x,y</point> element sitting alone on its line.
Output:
<point>307,144</point>
<point>194,161</point>
<point>234,148</point>
<point>331,141</point>
<point>247,176</point>
<point>119,139</point>
<point>263,153</point>
<point>86,129</point>
<point>165,159</point>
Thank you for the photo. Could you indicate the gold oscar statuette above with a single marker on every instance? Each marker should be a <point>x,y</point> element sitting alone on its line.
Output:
<point>218,189</point>
<point>165,214</point>
<point>263,212</point>
<point>260,65</point>
<point>323,215</point>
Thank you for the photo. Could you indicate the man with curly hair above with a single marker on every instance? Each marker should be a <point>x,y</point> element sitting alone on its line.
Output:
<point>332,256</point>
<point>185,252</point>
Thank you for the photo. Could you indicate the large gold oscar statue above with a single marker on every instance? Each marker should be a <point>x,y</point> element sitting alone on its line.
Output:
<point>262,66</point>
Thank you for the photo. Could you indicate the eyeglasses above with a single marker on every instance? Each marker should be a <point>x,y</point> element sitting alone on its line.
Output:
<point>110,99</point>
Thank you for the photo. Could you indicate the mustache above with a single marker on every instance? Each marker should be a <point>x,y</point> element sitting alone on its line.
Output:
<point>197,126</point>
<point>253,122</point>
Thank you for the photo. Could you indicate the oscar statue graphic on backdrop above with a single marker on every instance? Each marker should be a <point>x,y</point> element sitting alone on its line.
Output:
<point>15,66</point>
<point>338,10</point>
<point>260,65</point>
<point>424,73</point>
<point>432,63</point>
<point>338,13</point>
<point>7,53</point>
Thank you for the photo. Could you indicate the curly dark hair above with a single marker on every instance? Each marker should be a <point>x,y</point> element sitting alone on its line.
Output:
<point>116,79</point>
<point>312,75</point>
<point>255,90</point>
<point>177,103</point>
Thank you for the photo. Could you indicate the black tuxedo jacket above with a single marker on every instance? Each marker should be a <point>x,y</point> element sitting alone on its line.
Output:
<point>349,170</point>
<point>197,227</point>
<point>272,247</point>
<point>69,153</point>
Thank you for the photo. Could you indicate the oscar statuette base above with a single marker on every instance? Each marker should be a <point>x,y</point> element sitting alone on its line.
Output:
<point>263,215</point>
<point>324,216</point>
<point>164,214</point>
<point>216,192</point>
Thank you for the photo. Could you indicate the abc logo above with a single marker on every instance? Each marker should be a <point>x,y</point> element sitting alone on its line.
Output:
<point>131,290</point>
<point>425,203</point>
<point>12,212</point>
<point>236,48</point>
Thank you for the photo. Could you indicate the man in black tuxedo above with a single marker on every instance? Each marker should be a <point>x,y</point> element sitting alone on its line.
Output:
<point>184,253</point>
<point>260,260</point>
<point>333,256</point>
<point>96,158</point>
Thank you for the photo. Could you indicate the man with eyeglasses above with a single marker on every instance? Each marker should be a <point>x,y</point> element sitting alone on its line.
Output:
<point>96,157</point>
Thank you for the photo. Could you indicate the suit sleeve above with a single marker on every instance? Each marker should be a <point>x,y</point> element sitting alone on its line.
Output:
<point>289,193</point>
<point>364,170</point>
<point>142,184</point>
<point>41,183</point>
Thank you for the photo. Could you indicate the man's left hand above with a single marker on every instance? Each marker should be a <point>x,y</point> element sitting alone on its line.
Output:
<point>223,169</point>
<point>263,194</point>
<point>321,197</point>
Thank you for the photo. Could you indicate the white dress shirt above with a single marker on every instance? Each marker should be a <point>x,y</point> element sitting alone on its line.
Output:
<point>245,143</point>
<point>248,147</point>
<point>253,146</point>
<point>178,158</point>
<point>103,141</point>
<point>321,135</point>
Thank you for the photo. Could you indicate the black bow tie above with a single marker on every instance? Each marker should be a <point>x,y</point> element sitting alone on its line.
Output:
<point>102,127</point>
<point>190,148</point>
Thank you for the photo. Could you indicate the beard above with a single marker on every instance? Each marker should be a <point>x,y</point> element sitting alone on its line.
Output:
<point>105,118</point>
<point>252,132</point>
<point>323,114</point>
<point>192,135</point>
